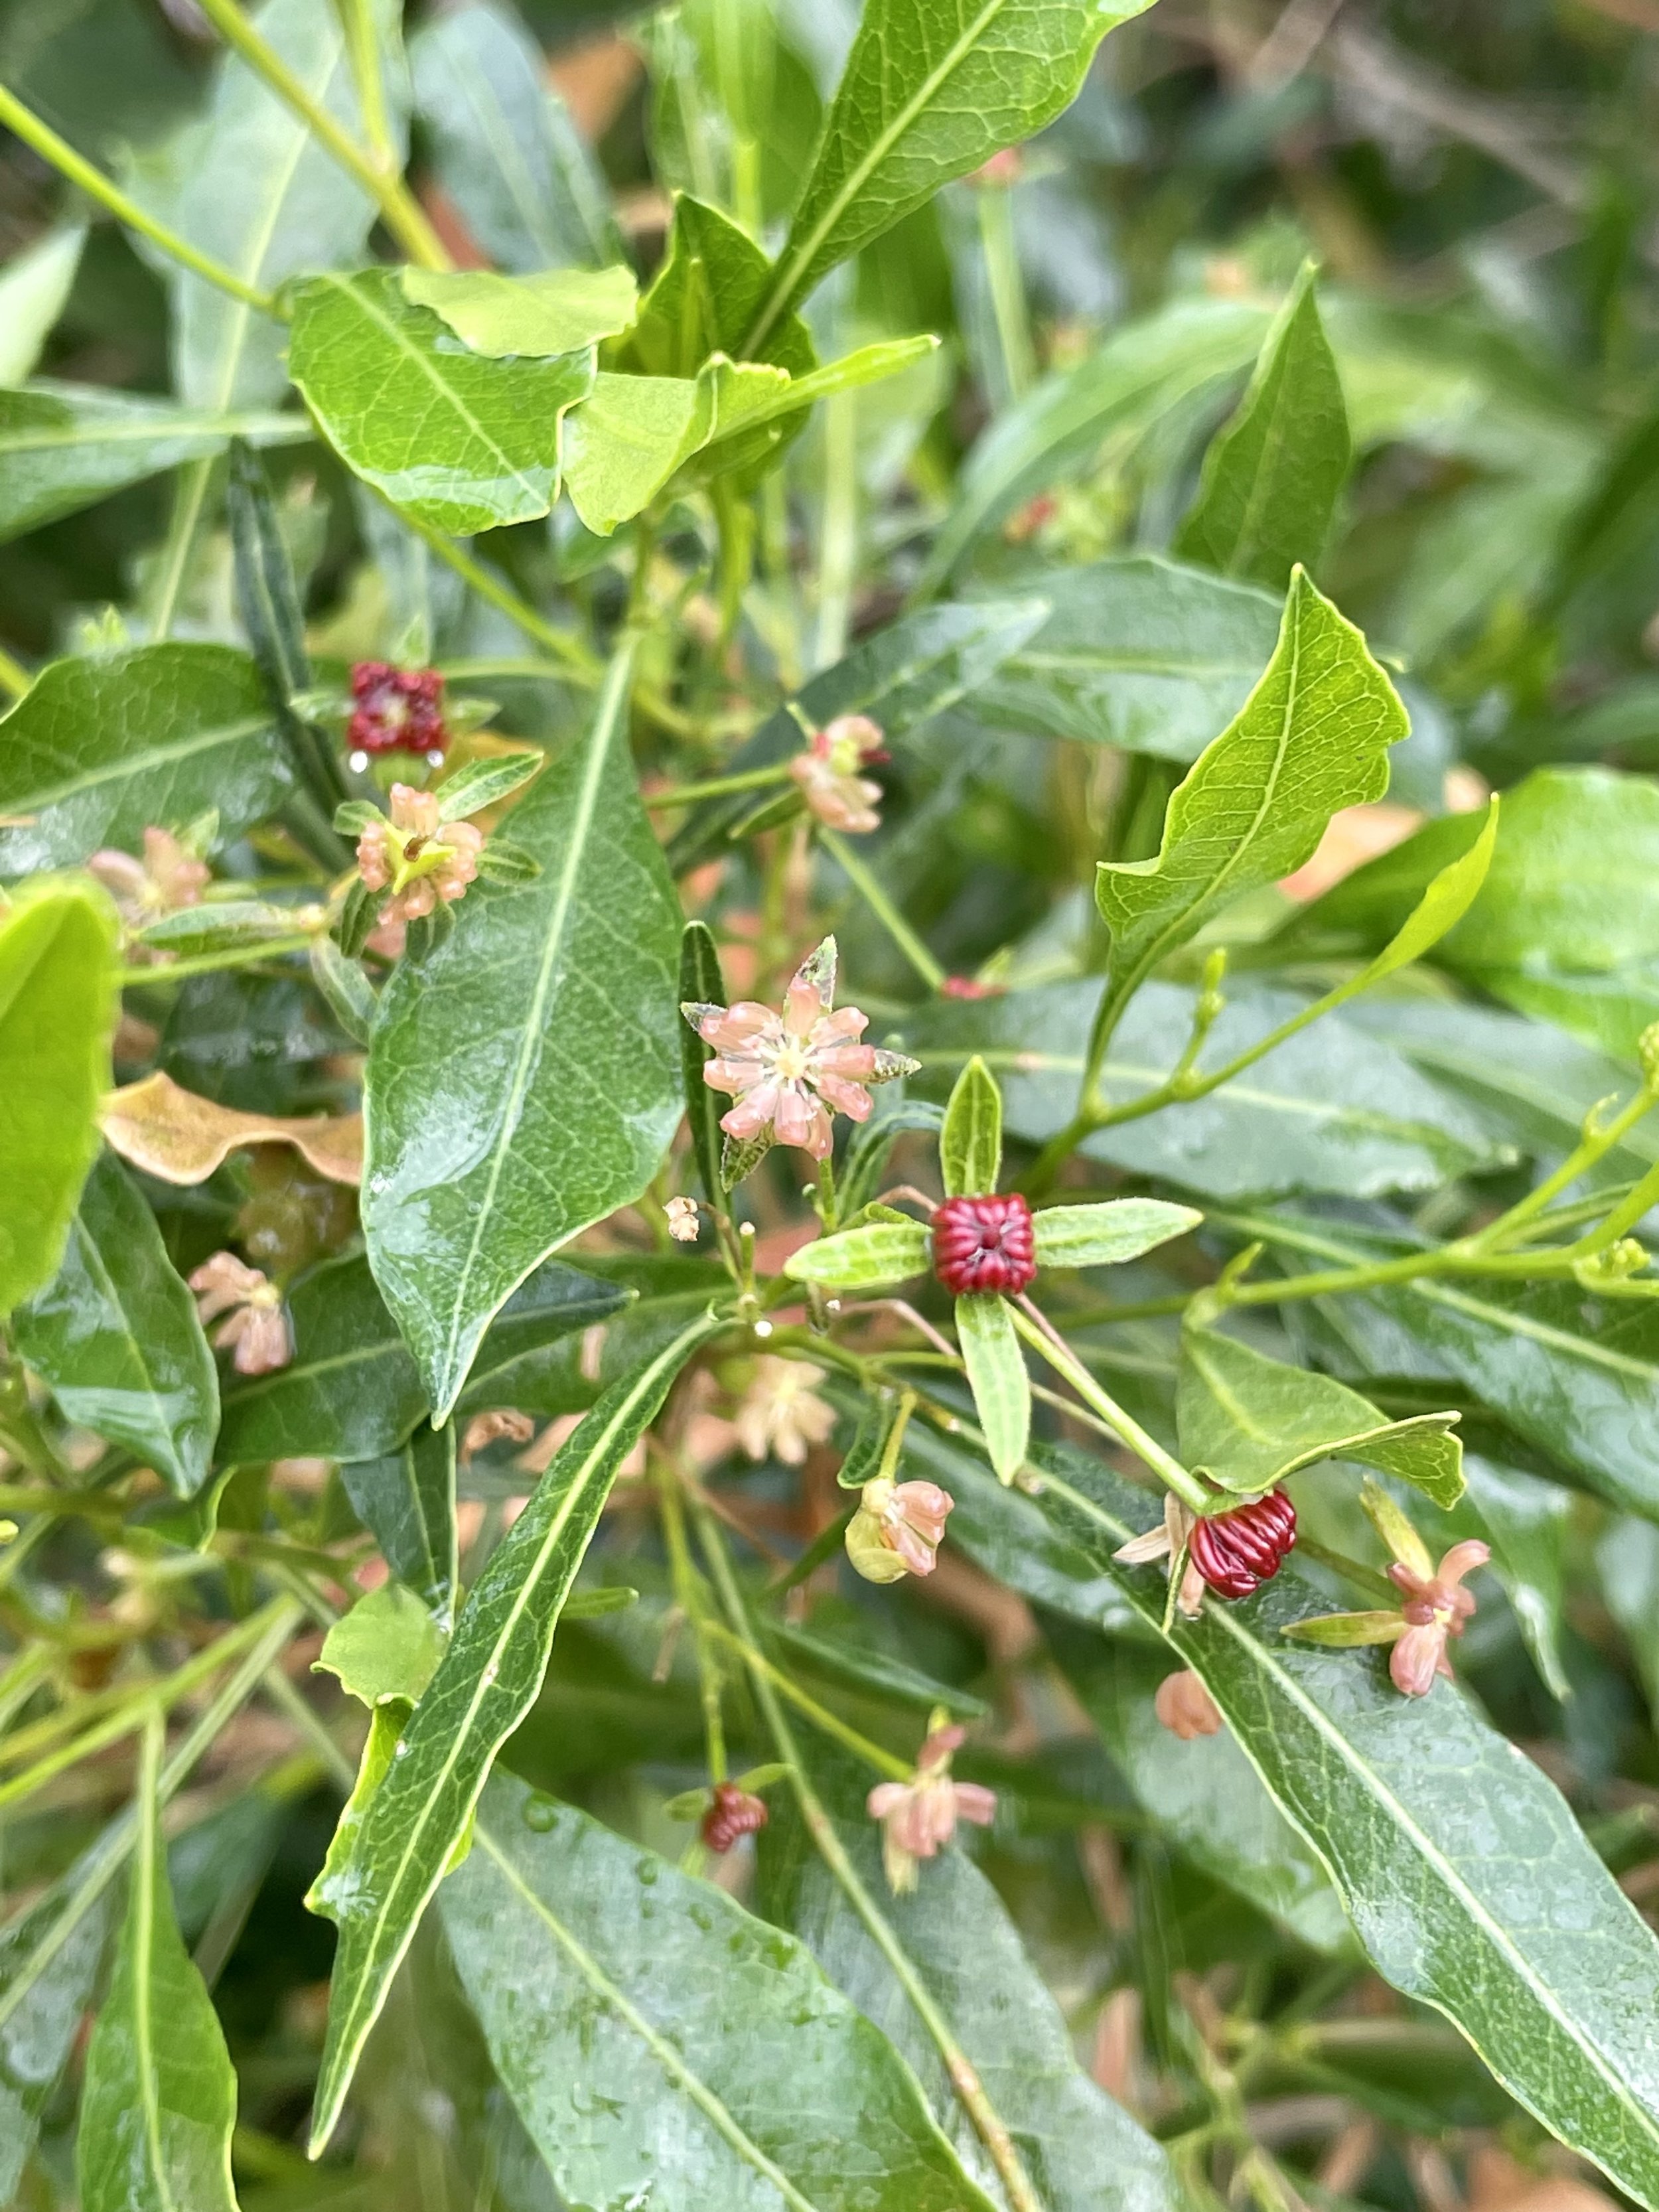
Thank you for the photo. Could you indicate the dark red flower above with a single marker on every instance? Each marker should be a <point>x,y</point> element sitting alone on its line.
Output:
<point>983,1244</point>
<point>1235,1552</point>
<point>396,710</point>
<point>734,1813</point>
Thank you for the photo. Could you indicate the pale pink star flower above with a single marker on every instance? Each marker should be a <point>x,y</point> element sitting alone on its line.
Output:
<point>169,876</point>
<point>781,1416</point>
<point>828,774</point>
<point>1437,1607</point>
<point>919,1817</point>
<point>255,1333</point>
<point>790,1071</point>
<point>417,857</point>
<point>897,1529</point>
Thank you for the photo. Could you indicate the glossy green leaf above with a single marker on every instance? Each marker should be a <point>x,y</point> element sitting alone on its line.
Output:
<point>159,2100</point>
<point>1627,1558</point>
<point>485,1685</point>
<point>49,1970</point>
<point>406,1500</point>
<point>1247,1422</point>
<point>1272,474</point>
<point>657,2039</point>
<point>385,1649</point>
<point>931,90</point>
<point>704,300</point>
<point>503,147</point>
<point>1082,2152</point>
<point>352,1390</point>
<point>335,1887</point>
<point>64,446</point>
<point>1333,1108</point>
<point>905,674</point>
<point>701,984</point>
<point>886,1251</point>
<point>1461,1869</point>
<point>485,783</point>
<point>58,1011</point>
<point>523,1080</point>
<point>871,1669</point>
<point>114,1335</point>
<point>460,442</point>
<point>1103,1234</point>
<point>556,311</point>
<point>1312,738</point>
<point>34,287</point>
<point>997,1375</point>
<point>100,749</point>
<point>1204,1793</point>
<point>1137,652</point>
<point>531,1350</point>
<point>970,1141</point>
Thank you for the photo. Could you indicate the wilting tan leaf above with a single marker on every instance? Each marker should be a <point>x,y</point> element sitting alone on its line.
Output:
<point>181,1138</point>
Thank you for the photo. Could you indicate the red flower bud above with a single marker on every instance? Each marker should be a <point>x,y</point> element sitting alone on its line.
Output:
<point>734,1813</point>
<point>984,1244</point>
<point>1235,1552</point>
<point>396,710</point>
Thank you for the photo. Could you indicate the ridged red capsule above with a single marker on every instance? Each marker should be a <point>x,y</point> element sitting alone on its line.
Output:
<point>396,710</point>
<point>734,1813</point>
<point>984,1244</point>
<point>1235,1552</point>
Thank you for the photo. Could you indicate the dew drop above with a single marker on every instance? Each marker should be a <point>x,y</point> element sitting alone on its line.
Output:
<point>540,1813</point>
<point>401,1751</point>
<point>358,762</point>
<point>763,1328</point>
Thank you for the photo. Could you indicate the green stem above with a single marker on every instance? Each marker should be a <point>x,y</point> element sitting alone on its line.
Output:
<point>882,907</point>
<point>838,536</point>
<point>13,677</point>
<point>189,496</point>
<point>896,1770</point>
<point>1044,1338</point>
<point>692,794</point>
<point>282,1694</point>
<point>62,155</point>
<point>964,2077</point>
<point>577,663</point>
<point>362,44</point>
<point>402,212</point>
<point>1007,289</point>
<point>689,1600</point>
<point>206,963</point>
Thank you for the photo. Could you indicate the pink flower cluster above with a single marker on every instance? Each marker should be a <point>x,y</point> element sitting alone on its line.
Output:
<point>417,857</point>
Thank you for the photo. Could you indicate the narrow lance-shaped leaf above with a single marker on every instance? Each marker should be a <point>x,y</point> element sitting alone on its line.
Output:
<point>34,287</point>
<point>701,984</point>
<point>886,1250</point>
<point>45,1994</point>
<point>523,1080</point>
<point>406,1500</point>
<point>115,1337</point>
<point>57,1009</point>
<point>997,1375</point>
<point>1106,1234</point>
<point>932,89</point>
<point>159,2100</point>
<point>485,1684</point>
<point>1272,476</point>
<point>970,1142</point>
<point>1313,737</point>
<point>658,2041</point>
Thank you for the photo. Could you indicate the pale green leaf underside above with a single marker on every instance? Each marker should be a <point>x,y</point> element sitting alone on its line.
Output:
<point>553,312</point>
<point>856,1259</point>
<point>998,1379</point>
<point>970,1141</point>
<point>1102,1235</point>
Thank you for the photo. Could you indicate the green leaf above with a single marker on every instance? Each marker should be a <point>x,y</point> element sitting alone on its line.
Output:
<point>1205,1795</point>
<point>159,2100</point>
<point>1247,1422</point>
<point>64,446</point>
<point>406,1500</point>
<point>998,1377</point>
<point>331,1894</point>
<point>1082,2152</point>
<point>483,783</point>
<point>459,441</point>
<point>1313,737</point>
<point>886,1251</point>
<point>220,926</point>
<point>485,1684</point>
<point>99,750</point>
<point>701,984</point>
<point>905,674</point>
<point>932,89</point>
<point>1272,474</point>
<point>1627,1558</point>
<point>385,1649</point>
<point>703,299</point>
<point>657,2039</point>
<point>348,993</point>
<point>531,1344</point>
<point>1333,1108</point>
<point>1138,652</point>
<point>352,1390</point>
<point>523,1082</point>
<point>970,1141</point>
<point>503,147</point>
<point>1463,1871</point>
<point>58,1011</point>
<point>556,311</point>
<point>50,1961</point>
<point>34,287</point>
<point>1102,1235</point>
<point>860,1667</point>
<point>115,1337</point>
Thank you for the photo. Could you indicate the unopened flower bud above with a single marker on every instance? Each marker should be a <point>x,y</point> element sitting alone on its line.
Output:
<point>733,1813</point>
<point>1185,1707</point>
<point>683,1220</point>
<point>897,1529</point>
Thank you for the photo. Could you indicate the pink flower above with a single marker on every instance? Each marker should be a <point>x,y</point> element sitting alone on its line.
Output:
<point>1436,1606</point>
<point>897,1529</point>
<point>418,857</point>
<point>788,1073</point>
<point>170,875</point>
<point>920,1816</point>
<point>828,773</point>
<point>256,1332</point>
<point>1185,1707</point>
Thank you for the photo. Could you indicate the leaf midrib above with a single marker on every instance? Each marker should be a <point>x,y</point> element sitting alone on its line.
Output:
<point>94,1263</point>
<point>127,765</point>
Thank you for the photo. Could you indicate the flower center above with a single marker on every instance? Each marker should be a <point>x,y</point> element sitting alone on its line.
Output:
<point>792,1060</point>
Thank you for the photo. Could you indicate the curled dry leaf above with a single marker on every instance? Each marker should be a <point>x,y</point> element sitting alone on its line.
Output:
<point>181,1138</point>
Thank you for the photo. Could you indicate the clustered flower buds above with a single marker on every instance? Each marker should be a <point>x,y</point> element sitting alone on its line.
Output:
<point>417,857</point>
<point>169,876</point>
<point>790,1071</point>
<point>984,1244</point>
<point>919,1817</point>
<point>828,773</point>
<point>683,1219</point>
<point>1235,1552</point>
<point>255,1331</point>
<point>396,710</point>
<point>897,1529</point>
<point>733,1813</point>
